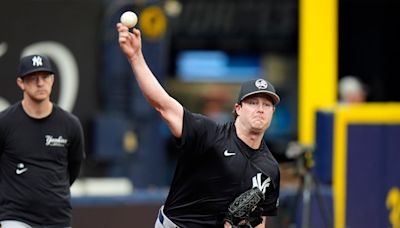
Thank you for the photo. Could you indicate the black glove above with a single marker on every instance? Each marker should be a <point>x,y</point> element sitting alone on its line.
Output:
<point>243,211</point>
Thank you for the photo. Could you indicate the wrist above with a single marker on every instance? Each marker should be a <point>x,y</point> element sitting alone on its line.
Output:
<point>227,225</point>
<point>136,58</point>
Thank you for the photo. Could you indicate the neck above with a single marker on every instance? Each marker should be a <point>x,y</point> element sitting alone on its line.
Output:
<point>37,109</point>
<point>251,138</point>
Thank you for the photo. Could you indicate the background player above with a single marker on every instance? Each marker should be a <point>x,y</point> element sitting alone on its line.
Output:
<point>41,150</point>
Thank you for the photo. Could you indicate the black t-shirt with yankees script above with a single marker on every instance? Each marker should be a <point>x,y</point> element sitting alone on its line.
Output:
<point>215,167</point>
<point>39,159</point>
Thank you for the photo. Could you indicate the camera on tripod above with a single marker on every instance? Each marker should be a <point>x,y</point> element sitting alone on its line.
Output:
<point>303,153</point>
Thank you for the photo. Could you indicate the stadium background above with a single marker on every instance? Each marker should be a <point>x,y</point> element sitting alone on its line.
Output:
<point>200,50</point>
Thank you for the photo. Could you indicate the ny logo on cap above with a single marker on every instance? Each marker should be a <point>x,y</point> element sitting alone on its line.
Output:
<point>37,61</point>
<point>261,84</point>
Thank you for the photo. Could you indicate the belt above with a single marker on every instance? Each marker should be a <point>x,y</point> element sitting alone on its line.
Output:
<point>161,217</point>
<point>165,221</point>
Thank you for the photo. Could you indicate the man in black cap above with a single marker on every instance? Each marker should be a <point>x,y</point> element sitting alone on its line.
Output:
<point>217,163</point>
<point>41,150</point>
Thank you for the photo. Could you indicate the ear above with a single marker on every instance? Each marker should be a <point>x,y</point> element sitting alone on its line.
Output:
<point>52,79</point>
<point>238,107</point>
<point>20,84</point>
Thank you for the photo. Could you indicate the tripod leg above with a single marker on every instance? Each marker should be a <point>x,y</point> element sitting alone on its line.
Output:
<point>296,203</point>
<point>306,213</point>
<point>324,211</point>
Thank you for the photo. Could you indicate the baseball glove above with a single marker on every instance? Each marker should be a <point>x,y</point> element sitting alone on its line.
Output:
<point>243,212</point>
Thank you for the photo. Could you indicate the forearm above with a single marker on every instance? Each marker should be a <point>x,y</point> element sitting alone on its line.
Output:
<point>148,83</point>
<point>169,108</point>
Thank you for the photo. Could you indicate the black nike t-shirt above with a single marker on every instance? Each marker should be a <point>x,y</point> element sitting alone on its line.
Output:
<point>215,167</point>
<point>37,157</point>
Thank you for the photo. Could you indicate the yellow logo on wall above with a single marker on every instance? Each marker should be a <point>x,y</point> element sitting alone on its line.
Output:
<point>130,142</point>
<point>153,22</point>
<point>393,204</point>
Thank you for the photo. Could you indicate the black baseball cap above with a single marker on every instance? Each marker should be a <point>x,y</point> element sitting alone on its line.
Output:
<point>34,63</point>
<point>255,86</point>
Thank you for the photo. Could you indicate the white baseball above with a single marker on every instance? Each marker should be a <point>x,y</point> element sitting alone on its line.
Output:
<point>129,19</point>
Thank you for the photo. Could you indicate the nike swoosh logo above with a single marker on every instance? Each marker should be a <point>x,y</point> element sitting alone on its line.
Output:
<point>227,153</point>
<point>20,171</point>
